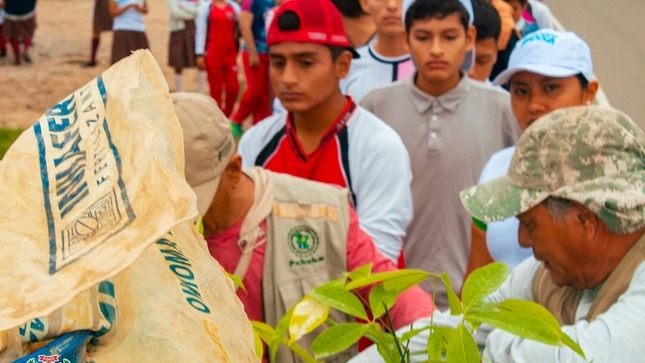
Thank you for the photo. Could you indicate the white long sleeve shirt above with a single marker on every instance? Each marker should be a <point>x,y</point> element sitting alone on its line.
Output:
<point>614,336</point>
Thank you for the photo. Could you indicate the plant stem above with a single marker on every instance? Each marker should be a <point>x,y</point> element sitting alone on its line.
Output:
<point>396,339</point>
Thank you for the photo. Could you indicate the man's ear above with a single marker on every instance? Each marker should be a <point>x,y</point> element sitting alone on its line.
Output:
<point>234,170</point>
<point>363,5</point>
<point>343,62</point>
<point>588,220</point>
<point>471,36</point>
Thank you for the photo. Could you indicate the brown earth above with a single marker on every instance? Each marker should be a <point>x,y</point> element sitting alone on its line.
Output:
<point>61,46</point>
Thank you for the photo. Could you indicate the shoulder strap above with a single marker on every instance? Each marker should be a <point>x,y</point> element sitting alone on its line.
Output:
<point>562,302</point>
<point>619,280</point>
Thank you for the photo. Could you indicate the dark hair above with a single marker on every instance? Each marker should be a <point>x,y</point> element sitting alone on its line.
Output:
<point>349,8</point>
<point>435,9</point>
<point>336,51</point>
<point>584,82</point>
<point>522,2</point>
<point>558,207</point>
<point>487,20</point>
<point>289,21</point>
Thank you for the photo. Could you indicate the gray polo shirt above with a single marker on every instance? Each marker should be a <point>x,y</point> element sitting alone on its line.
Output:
<point>450,138</point>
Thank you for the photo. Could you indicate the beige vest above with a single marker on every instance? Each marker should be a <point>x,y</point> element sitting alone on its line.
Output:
<point>306,247</point>
<point>563,301</point>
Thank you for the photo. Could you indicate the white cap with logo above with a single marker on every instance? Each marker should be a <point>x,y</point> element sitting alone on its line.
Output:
<point>550,53</point>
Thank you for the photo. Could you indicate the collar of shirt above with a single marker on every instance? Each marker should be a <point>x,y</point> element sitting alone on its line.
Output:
<point>335,128</point>
<point>446,102</point>
<point>383,59</point>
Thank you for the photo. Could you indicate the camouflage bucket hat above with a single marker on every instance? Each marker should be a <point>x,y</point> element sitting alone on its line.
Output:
<point>591,154</point>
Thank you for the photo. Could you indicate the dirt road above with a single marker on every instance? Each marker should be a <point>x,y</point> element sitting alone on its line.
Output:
<point>61,46</point>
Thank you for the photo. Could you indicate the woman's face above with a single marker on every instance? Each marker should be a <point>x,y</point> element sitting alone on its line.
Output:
<point>518,8</point>
<point>534,95</point>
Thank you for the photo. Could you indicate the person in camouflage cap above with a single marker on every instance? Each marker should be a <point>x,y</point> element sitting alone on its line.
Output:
<point>592,155</point>
<point>577,184</point>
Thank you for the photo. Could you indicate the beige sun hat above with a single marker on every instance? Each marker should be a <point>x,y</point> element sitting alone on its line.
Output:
<point>208,143</point>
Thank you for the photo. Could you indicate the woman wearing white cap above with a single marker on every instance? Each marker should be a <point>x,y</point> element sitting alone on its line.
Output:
<point>547,70</point>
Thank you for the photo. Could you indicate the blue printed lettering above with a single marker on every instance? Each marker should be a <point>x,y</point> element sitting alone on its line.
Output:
<point>176,257</point>
<point>198,305</point>
<point>190,289</point>
<point>187,273</point>
<point>166,242</point>
<point>179,265</point>
<point>65,108</point>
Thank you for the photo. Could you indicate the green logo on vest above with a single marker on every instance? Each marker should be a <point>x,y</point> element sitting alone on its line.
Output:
<point>303,241</point>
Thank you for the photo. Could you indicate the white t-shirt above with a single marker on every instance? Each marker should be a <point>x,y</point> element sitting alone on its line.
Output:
<point>131,19</point>
<point>501,237</point>
<point>372,70</point>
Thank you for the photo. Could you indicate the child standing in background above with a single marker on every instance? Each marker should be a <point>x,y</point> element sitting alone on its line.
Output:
<point>181,47</point>
<point>19,26</point>
<point>216,50</point>
<point>101,22</point>
<point>129,29</point>
<point>3,41</point>
<point>255,100</point>
<point>530,16</point>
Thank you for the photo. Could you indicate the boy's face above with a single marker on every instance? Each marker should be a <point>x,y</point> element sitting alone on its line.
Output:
<point>518,8</point>
<point>438,47</point>
<point>485,58</point>
<point>386,15</point>
<point>303,75</point>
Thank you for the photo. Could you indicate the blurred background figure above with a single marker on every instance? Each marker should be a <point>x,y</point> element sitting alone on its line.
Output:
<point>385,59</point>
<point>19,26</point>
<point>256,100</point>
<point>359,26</point>
<point>508,36</point>
<point>216,49</point>
<point>129,28</point>
<point>530,15</point>
<point>3,41</point>
<point>488,25</point>
<point>181,47</point>
<point>101,22</point>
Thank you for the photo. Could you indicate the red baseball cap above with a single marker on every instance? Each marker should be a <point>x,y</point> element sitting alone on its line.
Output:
<point>320,23</point>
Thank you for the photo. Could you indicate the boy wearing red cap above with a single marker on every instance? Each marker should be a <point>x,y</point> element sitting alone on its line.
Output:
<point>325,136</point>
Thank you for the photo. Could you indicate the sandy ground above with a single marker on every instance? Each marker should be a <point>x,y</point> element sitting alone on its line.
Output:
<point>61,46</point>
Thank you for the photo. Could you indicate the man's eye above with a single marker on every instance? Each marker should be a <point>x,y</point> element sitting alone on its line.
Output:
<point>526,224</point>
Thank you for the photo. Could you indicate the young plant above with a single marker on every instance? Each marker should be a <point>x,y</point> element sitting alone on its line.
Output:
<point>451,343</point>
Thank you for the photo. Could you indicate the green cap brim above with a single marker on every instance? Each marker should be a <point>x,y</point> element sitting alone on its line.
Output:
<point>498,199</point>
